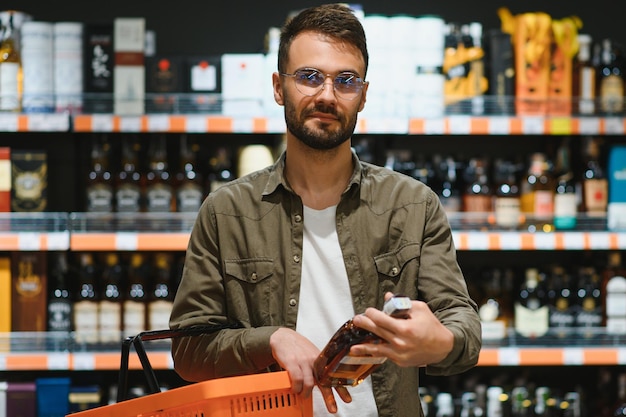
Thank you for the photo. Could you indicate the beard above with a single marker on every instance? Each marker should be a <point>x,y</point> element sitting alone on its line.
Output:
<point>320,137</point>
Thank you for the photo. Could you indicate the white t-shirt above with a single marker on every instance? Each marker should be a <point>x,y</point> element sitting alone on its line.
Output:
<point>326,303</point>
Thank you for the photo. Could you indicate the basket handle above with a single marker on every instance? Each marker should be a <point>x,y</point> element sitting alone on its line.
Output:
<point>137,341</point>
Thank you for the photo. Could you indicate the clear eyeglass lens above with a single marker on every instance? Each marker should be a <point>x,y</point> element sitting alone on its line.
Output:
<point>309,82</point>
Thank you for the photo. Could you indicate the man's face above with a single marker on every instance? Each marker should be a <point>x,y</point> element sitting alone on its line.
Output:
<point>324,120</point>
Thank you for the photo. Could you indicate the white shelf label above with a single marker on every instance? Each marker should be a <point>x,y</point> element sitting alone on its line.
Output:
<point>499,125</point>
<point>243,125</point>
<point>509,356</point>
<point>130,123</point>
<point>102,123</point>
<point>434,126</point>
<point>574,240</point>
<point>29,241</point>
<point>510,241</point>
<point>614,126</point>
<point>460,125</point>
<point>3,363</point>
<point>84,362</point>
<point>48,122</point>
<point>59,240</point>
<point>195,124</point>
<point>126,241</point>
<point>59,361</point>
<point>159,123</point>
<point>532,125</point>
<point>8,122</point>
<point>589,125</point>
<point>573,356</point>
<point>621,356</point>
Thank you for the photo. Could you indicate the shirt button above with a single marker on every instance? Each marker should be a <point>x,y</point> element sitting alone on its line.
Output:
<point>254,276</point>
<point>298,218</point>
<point>293,302</point>
<point>394,271</point>
<point>296,258</point>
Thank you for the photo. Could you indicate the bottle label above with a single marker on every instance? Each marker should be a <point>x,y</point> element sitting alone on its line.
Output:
<point>565,210</point>
<point>507,212</point>
<point>544,203</point>
<point>596,193</point>
<point>477,203</point>
<point>110,321</point>
<point>134,317</point>
<point>86,321</point>
<point>189,198</point>
<point>612,94</point>
<point>587,97</point>
<point>362,360</point>
<point>159,198</point>
<point>9,86</point>
<point>100,199</point>
<point>128,199</point>
<point>531,322</point>
<point>60,316</point>
<point>159,314</point>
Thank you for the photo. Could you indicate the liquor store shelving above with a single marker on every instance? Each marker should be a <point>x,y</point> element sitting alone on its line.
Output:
<point>170,232</point>
<point>203,123</point>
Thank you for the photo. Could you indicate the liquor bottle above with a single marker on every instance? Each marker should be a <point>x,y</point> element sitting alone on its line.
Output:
<point>220,169</point>
<point>477,193</point>
<point>445,405</point>
<point>59,295</point>
<point>161,294</point>
<point>335,366</point>
<point>494,322</point>
<point>427,401</point>
<point>494,402</point>
<point>537,194</point>
<point>614,268</point>
<point>507,203</point>
<point>584,78</point>
<point>100,187</point>
<point>468,405</point>
<point>594,182</point>
<point>610,80</point>
<point>134,307</point>
<point>129,187</point>
<point>189,191</point>
<point>589,301</point>
<point>10,65</point>
<point>565,198</point>
<point>86,314</point>
<point>110,302</point>
<point>542,402</point>
<point>561,302</point>
<point>449,191</point>
<point>531,309</point>
<point>520,402</point>
<point>159,192</point>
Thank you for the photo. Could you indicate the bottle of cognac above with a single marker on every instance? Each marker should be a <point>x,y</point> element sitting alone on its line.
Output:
<point>335,366</point>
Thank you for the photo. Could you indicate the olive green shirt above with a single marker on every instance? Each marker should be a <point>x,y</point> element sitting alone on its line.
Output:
<point>243,266</point>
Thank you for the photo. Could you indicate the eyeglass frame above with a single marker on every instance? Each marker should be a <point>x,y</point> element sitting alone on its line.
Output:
<point>322,85</point>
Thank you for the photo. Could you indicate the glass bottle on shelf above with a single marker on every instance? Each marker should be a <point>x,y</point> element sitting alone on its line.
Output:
<point>159,190</point>
<point>531,308</point>
<point>86,314</point>
<point>111,298</point>
<point>59,295</point>
<point>507,209</point>
<point>561,302</point>
<point>447,170</point>
<point>134,307</point>
<point>610,80</point>
<point>162,292</point>
<point>477,193</point>
<point>595,188</point>
<point>220,168</point>
<point>129,193</point>
<point>584,78</point>
<point>620,407</point>
<point>589,301</point>
<point>189,191</point>
<point>565,197</point>
<point>537,194</point>
<point>10,62</point>
<point>100,187</point>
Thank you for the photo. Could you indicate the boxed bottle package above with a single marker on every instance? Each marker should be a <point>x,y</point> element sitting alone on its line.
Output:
<point>616,210</point>
<point>98,60</point>
<point>203,84</point>
<point>52,396</point>
<point>29,181</point>
<point>164,81</point>
<point>128,71</point>
<point>243,78</point>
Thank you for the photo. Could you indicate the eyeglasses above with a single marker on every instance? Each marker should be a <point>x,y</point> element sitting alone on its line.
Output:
<point>310,81</point>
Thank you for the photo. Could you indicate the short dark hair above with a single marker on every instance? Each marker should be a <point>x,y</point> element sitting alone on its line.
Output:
<point>334,20</point>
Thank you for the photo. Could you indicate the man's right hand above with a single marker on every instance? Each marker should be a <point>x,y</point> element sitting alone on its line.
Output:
<point>296,354</point>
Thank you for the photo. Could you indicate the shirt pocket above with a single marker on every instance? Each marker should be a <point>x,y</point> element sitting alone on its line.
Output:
<point>398,270</point>
<point>248,287</point>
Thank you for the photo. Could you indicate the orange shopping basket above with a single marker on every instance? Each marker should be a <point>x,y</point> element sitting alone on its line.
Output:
<point>260,395</point>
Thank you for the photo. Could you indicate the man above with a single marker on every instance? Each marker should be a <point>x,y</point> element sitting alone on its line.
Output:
<point>293,251</point>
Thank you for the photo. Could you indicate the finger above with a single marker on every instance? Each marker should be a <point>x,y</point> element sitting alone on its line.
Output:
<point>344,394</point>
<point>329,399</point>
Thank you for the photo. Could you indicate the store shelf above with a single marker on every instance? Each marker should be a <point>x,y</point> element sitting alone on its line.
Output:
<point>60,351</point>
<point>34,231</point>
<point>36,122</point>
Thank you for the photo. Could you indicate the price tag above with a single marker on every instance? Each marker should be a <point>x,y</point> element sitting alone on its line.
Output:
<point>621,356</point>
<point>3,363</point>
<point>509,241</point>
<point>574,241</point>
<point>243,125</point>
<point>130,124</point>
<point>126,241</point>
<point>59,361</point>
<point>600,240</point>
<point>589,125</point>
<point>561,126</point>
<point>459,125</point>
<point>29,241</point>
<point>84,361</point>
<point>8,122</point>
<point>573,356</point>
<point>532,125</point>
<point>102,123</point>
<point>376,125</point>
<point>544,241</point>
<point>277,125</point>
<point>397,126</point>
<point>478,241</point>
<point>508,356</point>
<point>434,126</point>
<point>159,123</point>
<point>59,240</point>
<point>48,122</point>
<point>195,124</point>
<point>614,126</point>
<point>499,125</point>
